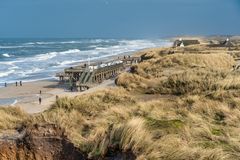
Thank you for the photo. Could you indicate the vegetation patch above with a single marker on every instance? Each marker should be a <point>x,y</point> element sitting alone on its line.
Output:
<point>163,124</point>
<point>194,114</point>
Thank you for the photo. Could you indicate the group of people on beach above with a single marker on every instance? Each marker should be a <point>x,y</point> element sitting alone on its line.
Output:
<point>40,98</point>
<point>16,83</point>
<point>21,84</point>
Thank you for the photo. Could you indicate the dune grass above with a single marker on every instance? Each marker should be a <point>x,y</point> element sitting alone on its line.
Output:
<point>181,74</point>
<point>11,118</point>
<point>199,119</point>
<point>189,127</point>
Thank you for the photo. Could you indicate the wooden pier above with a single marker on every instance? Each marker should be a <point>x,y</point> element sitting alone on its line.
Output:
<point>84,76</point>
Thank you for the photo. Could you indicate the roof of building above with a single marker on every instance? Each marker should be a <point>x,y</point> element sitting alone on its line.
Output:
<point>227,43</point>
<point>178,43</point>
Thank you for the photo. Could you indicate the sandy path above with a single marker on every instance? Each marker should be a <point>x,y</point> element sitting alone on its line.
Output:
<point>28,94</point>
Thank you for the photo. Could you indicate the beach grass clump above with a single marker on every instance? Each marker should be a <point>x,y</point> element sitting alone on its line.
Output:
<point>11,118</point>
<point>195,81</point>
<point>93,103</point>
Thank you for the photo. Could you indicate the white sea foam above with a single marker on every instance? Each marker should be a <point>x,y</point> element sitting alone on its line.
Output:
<point>70,51</point>
<point>6,73</point>
<point>64,63</point>
<point>14,67</point>
<point>9,63</point>
<point>50,43</point>
<point>92,46</point>
<point>71,42</point>
<point>30,43</point>
<point>100,48</point>
<point>6,55</point>
<point>50,55</point>
<point>29,71</point>
<point>46,56</point>
<point>12,47</point>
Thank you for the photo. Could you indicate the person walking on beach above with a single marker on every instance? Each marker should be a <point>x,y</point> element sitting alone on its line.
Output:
<point>20,83</point>
<point>16,84</point>
<point>5,84</point>
<point>40,100</point>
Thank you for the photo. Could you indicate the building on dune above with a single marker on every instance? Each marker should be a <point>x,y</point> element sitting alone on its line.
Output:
<point>183,43</point>
<point>226,43</point>
<point>84,76</point>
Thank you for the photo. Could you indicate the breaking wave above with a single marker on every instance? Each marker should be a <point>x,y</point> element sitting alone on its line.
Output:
<point>6,55</point>
<point>42,59</point>
<point>6,73</point>
<point>50,55</point>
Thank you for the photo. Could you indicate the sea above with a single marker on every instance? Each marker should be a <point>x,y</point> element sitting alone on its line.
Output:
<point>38,59</point>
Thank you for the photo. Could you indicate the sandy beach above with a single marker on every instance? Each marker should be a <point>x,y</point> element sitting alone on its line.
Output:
<point>26,96</point>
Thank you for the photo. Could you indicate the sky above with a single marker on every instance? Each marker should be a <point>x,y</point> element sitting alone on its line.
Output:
<point>117,18</point>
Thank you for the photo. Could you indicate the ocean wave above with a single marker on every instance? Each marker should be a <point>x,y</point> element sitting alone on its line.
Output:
<point>8,63</point>
<point>50,55</point>
<point>6,73</point>
<point>28,72</point>
<point>93,46</point>
<point>14,47</point>
<point>100,48</point>
<point>64,63</point>
<point>70,51</point>
<point>52,43</point>
<point>71,42</point>
<point>46,56</point>
<point>45,43</point>
<point>30,43</point>
<point>99,41</point>
<point>6,55</point>
<point>55,58</point>
<point>14,67</point>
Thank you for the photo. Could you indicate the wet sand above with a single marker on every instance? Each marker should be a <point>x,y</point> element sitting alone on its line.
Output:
<point>27,95</point>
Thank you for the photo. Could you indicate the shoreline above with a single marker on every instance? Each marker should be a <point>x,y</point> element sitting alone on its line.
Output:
<point>101,59</point>
<point>26,96</point>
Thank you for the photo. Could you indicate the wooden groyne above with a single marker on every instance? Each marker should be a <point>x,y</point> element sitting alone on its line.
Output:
<point>84,76</point>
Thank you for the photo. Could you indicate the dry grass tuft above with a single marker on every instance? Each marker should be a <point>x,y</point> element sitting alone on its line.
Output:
<point>11,118</point>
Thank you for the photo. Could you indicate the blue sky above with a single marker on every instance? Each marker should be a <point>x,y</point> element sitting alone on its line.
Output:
<point>117,18</point>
